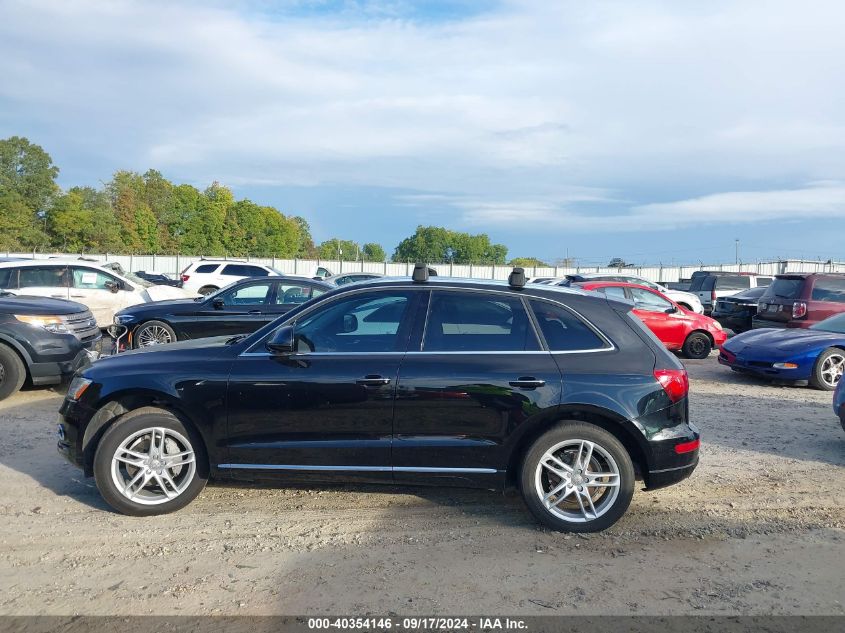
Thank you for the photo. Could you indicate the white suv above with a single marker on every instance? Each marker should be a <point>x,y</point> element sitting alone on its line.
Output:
<point>206,276</point>
<point>103,288</point>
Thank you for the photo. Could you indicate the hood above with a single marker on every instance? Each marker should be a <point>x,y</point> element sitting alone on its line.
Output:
<point>39,306</point>
<point>157,306</point>
<point>159,293</point>
<point>786,339</point>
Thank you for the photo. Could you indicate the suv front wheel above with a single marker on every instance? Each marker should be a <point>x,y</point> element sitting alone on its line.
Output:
<point>577,477</point>
<point>149,462</point>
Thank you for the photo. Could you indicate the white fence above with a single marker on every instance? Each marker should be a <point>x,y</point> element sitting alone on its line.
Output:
<point>174,264</point>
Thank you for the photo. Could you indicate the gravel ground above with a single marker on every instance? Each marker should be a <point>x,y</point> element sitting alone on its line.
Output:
<point>758,529</point>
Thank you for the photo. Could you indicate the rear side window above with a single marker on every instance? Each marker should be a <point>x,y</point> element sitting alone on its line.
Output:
<point>8,278</point>
<point>563,331</point>
<point>206,268</point>
<point>733,282</point>
<point>477,322</point>
<point>827,289</point>
<point>244,270</point>
<point>43,276</point>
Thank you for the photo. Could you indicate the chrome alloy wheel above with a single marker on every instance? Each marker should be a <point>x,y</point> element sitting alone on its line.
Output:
<point>153,335</point>
<point>832,369</point>
<point>577,480</point>
<point>153,466</point>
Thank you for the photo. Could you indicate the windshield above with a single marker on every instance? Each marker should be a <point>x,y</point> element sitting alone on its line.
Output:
<point>216,293</point>
<point>135,279</point>
<point>835,324</point>
<point>785,288</point>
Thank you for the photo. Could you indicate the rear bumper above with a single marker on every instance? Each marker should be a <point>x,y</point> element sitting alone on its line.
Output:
<point>668,476</point>
<point>667,466</point>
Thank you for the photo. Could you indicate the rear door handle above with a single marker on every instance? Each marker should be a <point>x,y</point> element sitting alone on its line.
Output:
<point>372,380</point>
<point>254,312</point>
<point>527,382</point>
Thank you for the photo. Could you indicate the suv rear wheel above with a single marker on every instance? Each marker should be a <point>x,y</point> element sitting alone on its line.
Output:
<point>828,370</point>
<point>149,462</point>
<point>12,371</point>
<point>577,477</point>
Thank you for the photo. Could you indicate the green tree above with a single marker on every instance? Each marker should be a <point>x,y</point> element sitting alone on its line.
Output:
<point>20,229</point>
<point>82,220</point>
<point>528,262</point>
<point>436,244</point>
<point>306,248</point>
<point>336,248</point>
<point>373,252</point>
<point>27,170</point>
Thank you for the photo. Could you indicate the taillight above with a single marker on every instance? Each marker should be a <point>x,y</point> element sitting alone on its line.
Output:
<point>687,447</point>
<point>799,310</point>
<point>185,278</point>
<point>712,296</point>
<point>675,382</point>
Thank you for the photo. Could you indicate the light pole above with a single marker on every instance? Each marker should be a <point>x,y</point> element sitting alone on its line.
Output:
<point>736,241</point>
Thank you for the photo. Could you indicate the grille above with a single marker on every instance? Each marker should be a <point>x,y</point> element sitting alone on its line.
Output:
<point>82,325</point>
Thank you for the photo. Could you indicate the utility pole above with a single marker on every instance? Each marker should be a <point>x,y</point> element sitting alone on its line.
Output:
<point>737,251</point>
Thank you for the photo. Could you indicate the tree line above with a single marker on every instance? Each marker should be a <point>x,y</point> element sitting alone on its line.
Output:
<point>146,213</point>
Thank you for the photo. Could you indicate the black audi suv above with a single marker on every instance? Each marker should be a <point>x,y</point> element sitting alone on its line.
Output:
<point>438,381</point>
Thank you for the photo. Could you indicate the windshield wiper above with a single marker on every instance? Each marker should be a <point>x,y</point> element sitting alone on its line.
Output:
<point>235,339</point>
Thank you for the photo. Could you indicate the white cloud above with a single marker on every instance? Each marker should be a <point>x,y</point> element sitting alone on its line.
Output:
<point>530,103</point>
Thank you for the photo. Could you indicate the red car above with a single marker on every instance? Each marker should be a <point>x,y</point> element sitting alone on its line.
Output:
<point>695,335</point>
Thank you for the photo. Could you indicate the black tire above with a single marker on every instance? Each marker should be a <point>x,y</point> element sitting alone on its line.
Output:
<point>697,346</point>
<point>12,371</point>
<point>149,327</point>
<point>135,423</point>
<point>207,290</point>
<point>820,378</point>
<point>534,478</point>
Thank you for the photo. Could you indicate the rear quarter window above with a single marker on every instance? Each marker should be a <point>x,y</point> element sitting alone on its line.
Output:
<point>206,268</point>
<point>826,289</point>
<point>563,330</point>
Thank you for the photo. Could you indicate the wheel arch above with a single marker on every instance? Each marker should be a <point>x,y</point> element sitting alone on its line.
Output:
<point>18,349</point>
<point>113,406</point>
<point>705,332</point>
<point>622,429</point>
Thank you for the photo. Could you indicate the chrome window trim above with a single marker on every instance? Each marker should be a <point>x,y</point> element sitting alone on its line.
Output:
<point>379,469</point>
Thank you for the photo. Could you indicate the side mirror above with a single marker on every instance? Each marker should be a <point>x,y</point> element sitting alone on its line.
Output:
<point>113,286</point>
<point>218,304</point>
<point>282,341</point>
<point>671,310</point>
<point>350,323</point>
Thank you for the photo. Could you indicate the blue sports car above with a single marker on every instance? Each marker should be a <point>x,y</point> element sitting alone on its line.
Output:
<point>815,354</point>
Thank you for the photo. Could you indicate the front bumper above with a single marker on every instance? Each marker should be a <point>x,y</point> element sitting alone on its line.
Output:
<point>52,372</point>
<point>764,368</point>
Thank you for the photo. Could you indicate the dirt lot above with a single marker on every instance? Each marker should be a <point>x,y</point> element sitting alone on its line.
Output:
<point>759,528</point>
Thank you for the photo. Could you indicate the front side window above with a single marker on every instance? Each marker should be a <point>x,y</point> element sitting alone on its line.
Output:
<point>477,322</point>
<point>292,293</point>
<point>254,294</point>
<point>563,331</point>
<point>90,279</point>
<point>360,323</point>
<point>829,289</point>
<point>43,276</point>
<point>646,300</point>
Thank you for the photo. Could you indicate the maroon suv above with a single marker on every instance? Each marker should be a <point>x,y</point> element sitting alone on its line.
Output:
<point>800,300</point>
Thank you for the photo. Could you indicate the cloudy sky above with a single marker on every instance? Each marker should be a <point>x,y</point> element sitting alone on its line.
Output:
<point>654,131</point>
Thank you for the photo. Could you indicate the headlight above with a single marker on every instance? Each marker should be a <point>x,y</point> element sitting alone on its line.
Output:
<point>50,323</point>
<point>122,319</point>
<point>77,387</point>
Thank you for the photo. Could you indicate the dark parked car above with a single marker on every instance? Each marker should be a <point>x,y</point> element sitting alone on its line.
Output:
<point>441,382</point>
<point>349,278</point>
<point>42,340</point>
<point>159,279</point>
<point>815,354</point>
<point>239,308</point>
<point>800,300</point>
<point>736,311</point>
<point>839,402</point>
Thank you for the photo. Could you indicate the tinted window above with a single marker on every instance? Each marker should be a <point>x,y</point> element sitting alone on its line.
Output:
<point>8,277</point>
<point>365,322</point>
<point>697,281</point>
<point>90,279</point>
<point>476,322</point>
<point>244,270</point>
<point>564,331</point>
<point>645,300</point>
<point>763,281</point>
<point>45,276</point>
<point>829,289</point>
<point>206,268</point>
<point>785,288</point>
<point>293,293</point>
<point>733,282</point>
<point>835,323</point>
<point>255,294</point>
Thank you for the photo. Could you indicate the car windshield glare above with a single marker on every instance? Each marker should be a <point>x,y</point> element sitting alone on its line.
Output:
<point>835,324</point>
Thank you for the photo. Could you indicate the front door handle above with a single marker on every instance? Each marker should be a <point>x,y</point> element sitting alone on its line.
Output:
<point>254,312</point>
<point>372,380</point>
<point>527,382</point>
